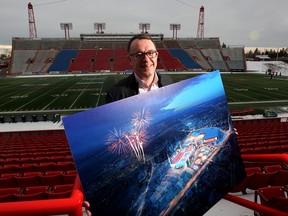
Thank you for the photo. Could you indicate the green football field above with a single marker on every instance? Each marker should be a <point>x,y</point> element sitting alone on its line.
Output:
<point>70,94</point>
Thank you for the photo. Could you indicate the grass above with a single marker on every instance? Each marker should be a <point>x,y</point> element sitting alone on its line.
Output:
<point>69,94</point>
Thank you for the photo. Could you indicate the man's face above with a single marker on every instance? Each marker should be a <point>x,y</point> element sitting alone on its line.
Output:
<point>144,66</point>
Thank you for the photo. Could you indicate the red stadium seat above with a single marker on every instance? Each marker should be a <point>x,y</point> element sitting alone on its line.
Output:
<point>51,179</point>
<point>280,178</point>
<point>69,178</point>
<point>45,167</point>
<point>26,181</point>
<point>27,197</point>
<point>6,175</point>
<point>26,168</point>
<point>6,194</point>
<point>258,180</point>
<point>11,168</point>
<point>251,170</point>
<point>274,197</point>
<point>8,182</point>
<point>60,191</point>
<point>64,166</point>
<point>35,189</point>
<point>272,168</point>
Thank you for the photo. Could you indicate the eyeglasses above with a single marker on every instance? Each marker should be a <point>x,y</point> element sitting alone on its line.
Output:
<point>140,55</point>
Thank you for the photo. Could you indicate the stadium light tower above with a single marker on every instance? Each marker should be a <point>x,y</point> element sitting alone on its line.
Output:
<point>99,27</point>
<point>144,27</point>
<point>31,20</point>
<point>200,30</point>
<point>66,27</point>
<point>175,28</point>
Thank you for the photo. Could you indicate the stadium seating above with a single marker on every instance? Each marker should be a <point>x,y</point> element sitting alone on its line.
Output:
<point>215,58</point>
<point>61,56</point>
<point>38,165</point>
<point>21,59</point>
<point>63,61</point>
<point>169,62</point>
<point>184,58</point>
<point>198,57</point>
<point>83,61</point>
<point>262,137</point>
<point>103,60</point>
<point>121,62</point>
<point>35,166</point>
<point>42,61</point>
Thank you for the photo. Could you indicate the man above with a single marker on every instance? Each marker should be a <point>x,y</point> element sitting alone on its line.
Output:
<point>143,56</point>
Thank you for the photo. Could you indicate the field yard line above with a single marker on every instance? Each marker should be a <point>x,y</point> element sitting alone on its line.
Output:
<point>80,94</point>
<point>259,102</point>
<point>100,92</point>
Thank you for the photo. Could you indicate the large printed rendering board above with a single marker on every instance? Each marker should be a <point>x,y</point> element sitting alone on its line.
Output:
<point>171,151</point>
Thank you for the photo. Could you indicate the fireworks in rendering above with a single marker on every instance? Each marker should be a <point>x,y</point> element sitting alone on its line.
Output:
<point>142,119</point>
<point>117,142</point>
<point>132,140</point>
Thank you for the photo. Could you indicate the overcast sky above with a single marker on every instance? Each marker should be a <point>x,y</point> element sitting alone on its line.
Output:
<point>251,23</point>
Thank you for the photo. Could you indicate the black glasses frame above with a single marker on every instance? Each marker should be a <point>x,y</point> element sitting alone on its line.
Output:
<point>140,55</point>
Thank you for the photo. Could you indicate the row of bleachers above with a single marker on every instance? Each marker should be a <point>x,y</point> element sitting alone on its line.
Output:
<point>114,60</point>
<point>267,175</point>
<point>60,55</point>
<point>262,137</point>
<point>22,169</point>
<point>29,193</point>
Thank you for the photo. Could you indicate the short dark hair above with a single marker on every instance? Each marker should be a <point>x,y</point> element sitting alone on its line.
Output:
<point>139,37</point>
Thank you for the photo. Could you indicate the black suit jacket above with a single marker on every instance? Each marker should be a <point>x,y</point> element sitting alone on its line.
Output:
<point>128,87</point>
